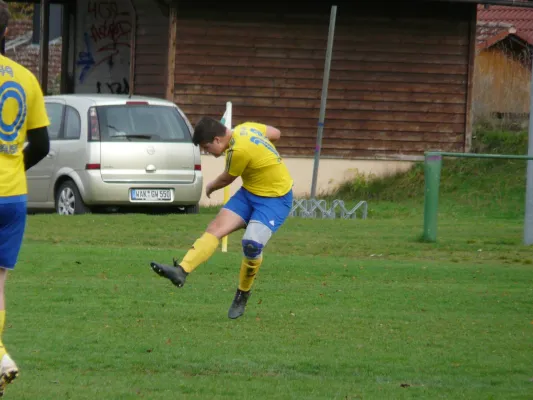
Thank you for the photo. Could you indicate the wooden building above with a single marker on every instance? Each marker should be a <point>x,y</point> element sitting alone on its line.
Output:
<point>401,72</point>
<point>502,77</point>
<point>398,84</point>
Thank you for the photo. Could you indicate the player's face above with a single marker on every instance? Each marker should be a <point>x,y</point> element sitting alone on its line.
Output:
<point>215,147</point>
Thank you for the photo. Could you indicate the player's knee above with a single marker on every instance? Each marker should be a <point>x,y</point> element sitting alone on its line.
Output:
<point>255,239</point>
<point>251,248</point>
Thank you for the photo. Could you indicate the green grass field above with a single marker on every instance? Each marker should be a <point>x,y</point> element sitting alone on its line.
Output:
<point>342,309</point>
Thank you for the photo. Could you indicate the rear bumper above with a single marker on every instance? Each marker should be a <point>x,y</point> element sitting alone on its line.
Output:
<point>95,191</point>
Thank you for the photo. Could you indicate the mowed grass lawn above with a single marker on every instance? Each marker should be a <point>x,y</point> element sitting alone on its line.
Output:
<point>342,309</point>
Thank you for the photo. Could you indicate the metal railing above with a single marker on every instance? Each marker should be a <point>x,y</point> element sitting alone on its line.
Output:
<point>18,41</point>
<point>313,208</point>
<point>432,173</point>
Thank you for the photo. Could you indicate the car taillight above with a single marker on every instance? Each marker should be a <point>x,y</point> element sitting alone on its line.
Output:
<point>197,167</point>
<point>136,103</point>
<point>94,126</point>
<point>92,166</point>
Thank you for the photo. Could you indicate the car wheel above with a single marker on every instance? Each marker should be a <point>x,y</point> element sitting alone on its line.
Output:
<point>69,201</point>
<point>194,209</point>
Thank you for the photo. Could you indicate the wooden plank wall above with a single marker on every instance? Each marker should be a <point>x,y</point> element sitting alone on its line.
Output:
<point>398,83</point>
<point>502,83</point>
<point>151,48</point>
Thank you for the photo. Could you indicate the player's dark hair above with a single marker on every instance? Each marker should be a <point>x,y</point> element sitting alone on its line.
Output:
<point>4,18</point>
<point>206,130</point>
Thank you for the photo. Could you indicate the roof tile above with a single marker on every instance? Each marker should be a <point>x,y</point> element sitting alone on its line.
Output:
<point>493,20</point>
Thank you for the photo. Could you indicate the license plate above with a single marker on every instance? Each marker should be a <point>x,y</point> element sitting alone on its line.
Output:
<point>151,195</point>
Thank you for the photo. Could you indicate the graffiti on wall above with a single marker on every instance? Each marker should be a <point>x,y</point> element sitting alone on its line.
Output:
<point>103,59</point>
<point>114,87</point>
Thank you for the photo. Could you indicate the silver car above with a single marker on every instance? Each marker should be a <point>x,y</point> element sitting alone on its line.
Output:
<point>113,151</point>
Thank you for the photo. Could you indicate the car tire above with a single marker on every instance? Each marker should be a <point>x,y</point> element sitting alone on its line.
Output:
<point>69,201</point>
<point>194,209</point>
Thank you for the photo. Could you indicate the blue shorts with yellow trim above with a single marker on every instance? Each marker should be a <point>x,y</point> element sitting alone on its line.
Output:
<point>12,226</point>
<point>270,211</point>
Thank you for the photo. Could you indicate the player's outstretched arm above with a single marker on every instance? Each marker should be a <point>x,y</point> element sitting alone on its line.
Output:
<point>272,133</point>
<point>221,181</point>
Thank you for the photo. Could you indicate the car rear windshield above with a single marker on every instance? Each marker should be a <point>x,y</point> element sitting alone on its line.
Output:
<point>142,123</point>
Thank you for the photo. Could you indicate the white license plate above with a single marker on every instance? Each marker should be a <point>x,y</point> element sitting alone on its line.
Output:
<point>151,195</point>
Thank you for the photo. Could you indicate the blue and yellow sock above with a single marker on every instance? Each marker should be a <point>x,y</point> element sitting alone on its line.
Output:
<point>249,269</point>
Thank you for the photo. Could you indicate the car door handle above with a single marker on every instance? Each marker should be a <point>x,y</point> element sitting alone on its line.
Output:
<point>51,154</point>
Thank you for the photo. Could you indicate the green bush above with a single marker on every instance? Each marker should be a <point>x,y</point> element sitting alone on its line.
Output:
<point>498,142</point>
<point>461,179</point>
<point>20,11</point>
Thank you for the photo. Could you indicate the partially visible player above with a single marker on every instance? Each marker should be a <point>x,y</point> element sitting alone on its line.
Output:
<point>261,205</point>
<point>22,117</point>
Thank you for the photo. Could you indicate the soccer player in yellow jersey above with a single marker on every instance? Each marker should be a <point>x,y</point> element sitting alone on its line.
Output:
<point>22,117</point>
<point>261,205</point>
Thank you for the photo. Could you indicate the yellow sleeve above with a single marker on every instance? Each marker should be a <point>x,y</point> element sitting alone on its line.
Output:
<point>257,128</point>
<point>236,161</point>
<point>36,114</point>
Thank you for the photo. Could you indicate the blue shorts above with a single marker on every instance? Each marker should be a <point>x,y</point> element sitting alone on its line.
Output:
<point>270,211</point>
<point>12,225</point>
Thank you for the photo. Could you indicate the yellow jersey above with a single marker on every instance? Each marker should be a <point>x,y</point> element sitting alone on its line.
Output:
<point>255,159</point>
<point>21,109</point>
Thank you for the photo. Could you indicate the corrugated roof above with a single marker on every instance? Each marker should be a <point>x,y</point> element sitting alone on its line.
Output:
<point>497,22</point>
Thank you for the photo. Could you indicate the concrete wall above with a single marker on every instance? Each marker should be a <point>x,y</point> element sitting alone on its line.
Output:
<point>332,172</point>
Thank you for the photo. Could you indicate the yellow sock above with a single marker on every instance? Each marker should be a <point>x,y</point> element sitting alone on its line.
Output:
<point>249,269</point>
<point>2,321</point>
<point>200,251</point>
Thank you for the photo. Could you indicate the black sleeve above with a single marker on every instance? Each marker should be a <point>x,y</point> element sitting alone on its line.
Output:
<point>37,148</point>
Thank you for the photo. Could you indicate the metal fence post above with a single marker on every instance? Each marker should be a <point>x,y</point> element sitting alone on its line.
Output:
<point>528,218</point>
<point>432,168</point>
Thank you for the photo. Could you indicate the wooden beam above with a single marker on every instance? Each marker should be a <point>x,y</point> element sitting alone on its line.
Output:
<point>133,47</point>
<point>65,53</point>
<point>172,40</point>
<point>164,6</point>
<point>470,80</point>
<point>44,39</point>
